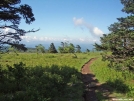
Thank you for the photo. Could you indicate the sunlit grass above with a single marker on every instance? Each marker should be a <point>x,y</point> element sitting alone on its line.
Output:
<point>121,81</point>
<point>33,59</point>
<point>100,68</point>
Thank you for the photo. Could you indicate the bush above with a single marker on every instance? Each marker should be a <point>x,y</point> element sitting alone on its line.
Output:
<point>40,83</point>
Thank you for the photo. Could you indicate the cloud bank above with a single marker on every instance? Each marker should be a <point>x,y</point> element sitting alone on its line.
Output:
<point>57,39</point>
<point>95,31</point>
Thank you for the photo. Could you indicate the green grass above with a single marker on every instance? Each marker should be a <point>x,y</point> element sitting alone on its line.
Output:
<point>32,59</point>
<point>42,77</point>
<point>121,81</point>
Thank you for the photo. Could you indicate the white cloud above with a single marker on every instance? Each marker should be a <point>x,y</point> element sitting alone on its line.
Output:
<point>59,39</point>
<point>79,21</point>
<point>6,30</point>
<point>97,31</point>
<point>94,31</point>
<point>34,37</point>
<point>81,39</point>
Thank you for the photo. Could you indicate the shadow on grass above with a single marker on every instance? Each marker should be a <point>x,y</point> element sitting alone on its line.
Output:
<point>107,90</point>
<point>51,83</point>
<point>119,86</point>
<point>101,92</point>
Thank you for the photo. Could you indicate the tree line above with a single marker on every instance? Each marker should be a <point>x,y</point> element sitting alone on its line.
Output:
<point>11,14</point>
<point>65,47</point>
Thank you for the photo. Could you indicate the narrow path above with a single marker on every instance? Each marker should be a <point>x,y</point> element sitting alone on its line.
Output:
<point>87,78</point>
<point>91,84</point>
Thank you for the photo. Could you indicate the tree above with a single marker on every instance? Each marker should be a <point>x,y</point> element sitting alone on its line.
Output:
<point>78,49</point>
<point>61,50</point>
<point>66,48</point>
<point>11,13</point>
<point>62,44</point>
<point>12,49</point>
<point>71,48</point>
<point>87,50</point>
<point>120,40</point>
<point>40,48</point>
<point>52,48</point>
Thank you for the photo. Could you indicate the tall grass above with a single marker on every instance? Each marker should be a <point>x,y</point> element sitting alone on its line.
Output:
<point>42,77</point>
<point>121,81</point>
<point>33,59</point>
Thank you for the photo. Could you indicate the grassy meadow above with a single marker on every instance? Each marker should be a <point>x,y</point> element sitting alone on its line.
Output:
<point>47,59</point>
<point>42,77</point>
<point>122,82</point>
<point>59,74</point>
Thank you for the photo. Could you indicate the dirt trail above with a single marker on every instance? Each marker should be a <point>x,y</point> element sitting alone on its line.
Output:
<point>91,84</point>
<point>87,78</point>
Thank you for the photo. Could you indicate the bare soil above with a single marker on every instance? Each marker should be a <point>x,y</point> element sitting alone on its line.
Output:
<point>93,90</point>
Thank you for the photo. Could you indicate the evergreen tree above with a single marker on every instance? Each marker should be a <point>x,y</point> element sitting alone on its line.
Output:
<point>52,48</point>
<point>78,49</point>
<point>120,40</point>
<point>62,44</point>
<point>11,13</point>
<point>87,50</point>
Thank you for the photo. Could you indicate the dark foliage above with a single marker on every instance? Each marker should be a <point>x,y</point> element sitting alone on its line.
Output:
<point>52,48</point>
<point>78,49</point>
<point>118,86</point>
<point>53,83</point>
<point>120,40</point>
<point>11,13</point>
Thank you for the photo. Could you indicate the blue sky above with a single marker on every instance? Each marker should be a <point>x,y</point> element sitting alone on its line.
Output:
<point>76,21</point>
